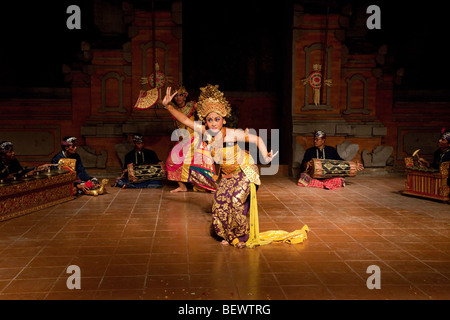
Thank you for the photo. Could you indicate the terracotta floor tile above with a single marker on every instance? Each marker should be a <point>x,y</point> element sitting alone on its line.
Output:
<point>438,292</point>
<point>43,261</point>
<point>20,252</point>
<point>409,266</point>
<point>4,284</point>
<point>320,256</point>
<point>115,270</point>
<point>219,280</point>
<point>261,293</point>
<point>167,281</point>
<point>9,273</point>
<point>130,259</point>
<point>133,250</point>
<point>297,279</point>
<point>354,292</point>
<point>96,251</point>
<point>426,278</point>
<point>168,258</point>
<point>71,295</point>
<point>87,283</point>
<point>29,286</point>
<point>13,262</point>
<point>308,292</point>
<point>430,255</point>
<point>254,279</point>
<point>119,295</point>
<point>355,254</point>
<point>41,273</point>
<point>155,245</point>
<point>329,267</point>
<point>160,269</point>
<point>23,296</point>
<point>289,266</point>
<point>122,282</point>
<point>407,292</point>
<point>193,293</point>
<point>340,278</point>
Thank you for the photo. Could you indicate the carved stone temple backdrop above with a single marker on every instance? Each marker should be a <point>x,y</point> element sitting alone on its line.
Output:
<point>331,86</point>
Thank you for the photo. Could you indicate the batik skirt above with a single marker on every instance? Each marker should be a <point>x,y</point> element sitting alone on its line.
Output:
<point>230,211</point>
<point>235,215</point>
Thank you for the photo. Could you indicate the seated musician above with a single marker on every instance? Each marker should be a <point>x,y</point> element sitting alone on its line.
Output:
<point>139,156</point>
<point>85,182</point>
<point>442,154</point>
<point>321,151</point>
<point>10,167</point>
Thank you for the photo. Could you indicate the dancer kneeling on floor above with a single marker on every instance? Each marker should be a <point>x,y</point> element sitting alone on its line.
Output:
<point>234,216</point>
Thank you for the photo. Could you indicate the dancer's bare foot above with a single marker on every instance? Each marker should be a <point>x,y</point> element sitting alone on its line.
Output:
<point>224,242</point>
<point>182,188</point>
<point>240,245</point>
<point>179,189</point>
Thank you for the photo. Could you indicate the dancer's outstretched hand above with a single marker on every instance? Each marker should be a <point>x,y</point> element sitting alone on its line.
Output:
<point>270,156</point>
<point>168,97</point>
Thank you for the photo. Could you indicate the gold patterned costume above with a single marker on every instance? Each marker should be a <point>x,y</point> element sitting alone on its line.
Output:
<point>186,161</point>
<point>235,210</point>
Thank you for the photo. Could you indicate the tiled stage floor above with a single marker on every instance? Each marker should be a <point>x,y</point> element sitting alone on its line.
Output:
<point>151,244</point>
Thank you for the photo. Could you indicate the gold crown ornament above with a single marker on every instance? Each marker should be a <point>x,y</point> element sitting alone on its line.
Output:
<point>212,100</point>
<point>181,90</point>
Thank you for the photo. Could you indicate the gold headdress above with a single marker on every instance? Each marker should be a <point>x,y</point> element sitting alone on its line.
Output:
<point>182,90</point>
<point>212,100</point>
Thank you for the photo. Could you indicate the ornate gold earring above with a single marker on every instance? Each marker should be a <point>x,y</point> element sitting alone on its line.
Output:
<point>224,121</point>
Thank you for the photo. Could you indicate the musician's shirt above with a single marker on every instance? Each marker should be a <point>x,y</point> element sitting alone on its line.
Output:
<point>8,168</point>
<point>146,156</point>
<point>315,153</point>
<point>79,167</point>
<point>440,157</point>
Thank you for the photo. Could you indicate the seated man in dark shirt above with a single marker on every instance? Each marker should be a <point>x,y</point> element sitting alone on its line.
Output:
<point>137,157</point>
<point>321,151</point>
<point>10,167</point>
<point>85,182</point>
<point>442,154</point>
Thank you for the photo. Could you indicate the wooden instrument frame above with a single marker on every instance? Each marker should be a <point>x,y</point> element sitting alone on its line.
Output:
<point>431,185</point>
<point>26,197</point>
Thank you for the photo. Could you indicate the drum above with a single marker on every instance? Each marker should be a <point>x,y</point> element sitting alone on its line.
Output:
<point>138,174</point>
<point>326,168</point>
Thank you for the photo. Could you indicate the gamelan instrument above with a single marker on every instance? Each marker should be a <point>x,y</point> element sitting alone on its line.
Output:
<point>326,168</point>
<point>146,172</point>
<point>30,193</point>
<point>427,182</point>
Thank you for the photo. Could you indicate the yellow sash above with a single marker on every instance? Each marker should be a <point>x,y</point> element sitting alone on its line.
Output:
<point>259,239</point>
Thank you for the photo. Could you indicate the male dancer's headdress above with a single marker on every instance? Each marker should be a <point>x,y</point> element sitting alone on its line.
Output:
<point>446,135</point>
<point>137,137</point>
<point>181,90</point>
<point>212,100</point>
<point>320,134</point>
<point>6,146</point>
<point>68,141</point>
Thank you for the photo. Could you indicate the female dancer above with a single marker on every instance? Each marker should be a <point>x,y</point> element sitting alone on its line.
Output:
<point>239,172</point>
<point>179,163</point>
